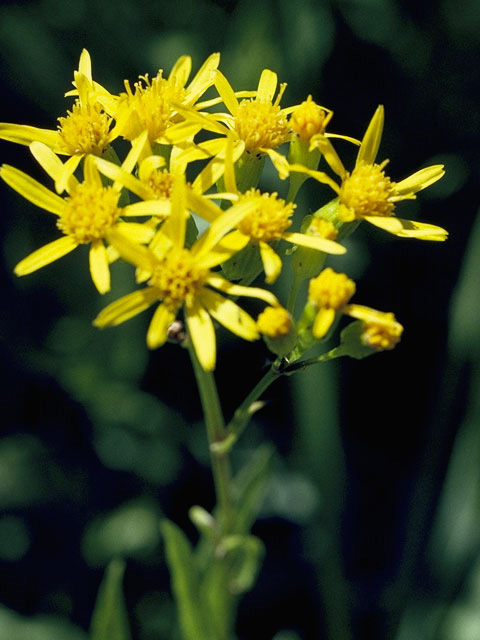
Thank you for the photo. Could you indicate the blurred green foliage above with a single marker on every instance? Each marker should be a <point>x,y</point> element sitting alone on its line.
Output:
<point>369,517</point>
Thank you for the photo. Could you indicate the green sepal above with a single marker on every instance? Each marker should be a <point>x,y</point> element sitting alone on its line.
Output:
<point>351,343</point>
<point>245,265</point>
<point>248,170</point>
<point>330,212</point>
<point>245,554</point>
<point>193,618</point>
<point>110,619</point>
<point>283,345</point>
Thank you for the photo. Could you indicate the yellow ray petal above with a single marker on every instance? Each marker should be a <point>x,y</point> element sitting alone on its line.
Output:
<point>181,71</point>
<point>226,92</point>
<point>320,176</point>
<point>371,140</point>
<point>272,263</point>
<point>180,132</point>
<point>136,254</point>
<point>136,232</point>
<point>408,228</point>
<point>419,180</point>
<point>45,255</point>
<point>126,307</point>
<point>99,266</point>
<point>229,314</point>
<point>139,144</point>
<point>85,64</point>
<point>148,208</point>
<point>64,178</point>
<point>178,220</point>
<point>279,162</point>
<point>158,329</point>
<point>148,165</point>
<point>202,335</point>
<point>314,242</point>
<point>205,208</point>
<point>91,173</point>
<point>50,162</point>
<point>223,250</point>
<point>322,323</point>
<point>24,134</point>
<point>215,169</point>
<point>123,178</point>
<point>219,282</point>
<point>32,190</point>
<point>320,142</point>
<point>204,78</point>
<point>267,86</point>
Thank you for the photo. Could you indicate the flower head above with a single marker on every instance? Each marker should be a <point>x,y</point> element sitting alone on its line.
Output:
<point>367,193</point>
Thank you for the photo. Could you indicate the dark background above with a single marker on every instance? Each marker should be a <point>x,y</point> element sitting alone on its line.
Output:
<point>376,461</point>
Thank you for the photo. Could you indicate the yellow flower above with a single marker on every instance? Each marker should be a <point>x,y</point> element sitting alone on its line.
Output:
<point>88,215</point>
<point>381,331</point>
<point>330,291</point>
<point>152,104</point>
<point>182,278</point>
<point>309,119</point>
<point>87,128</point>
<point>368,194</point>
<point>267,220</point>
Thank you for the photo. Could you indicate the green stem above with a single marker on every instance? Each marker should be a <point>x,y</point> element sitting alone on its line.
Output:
<point>216,434</point>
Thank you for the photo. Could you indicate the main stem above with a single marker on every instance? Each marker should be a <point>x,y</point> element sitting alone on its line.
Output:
<point>216,433</point>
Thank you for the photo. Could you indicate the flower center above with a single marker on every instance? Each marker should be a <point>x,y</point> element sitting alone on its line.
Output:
<point>85,129</point>
<point>331,290</point>
<point>261,125</point>
<point>274,322</point>
<point>269,218</point>
<point>89,212</point>
<point>160,182</point>
<point>308,119</point>
<point>366,192</point>
<point>322,228</point>
<point>382,333</point>
<point>178,279</point>
<point>150,106</point>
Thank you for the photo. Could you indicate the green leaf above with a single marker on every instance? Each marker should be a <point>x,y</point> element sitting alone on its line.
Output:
<point>185,584</point>
<point>249,487</point>
<point>110,619</point>
<point>245,555</point>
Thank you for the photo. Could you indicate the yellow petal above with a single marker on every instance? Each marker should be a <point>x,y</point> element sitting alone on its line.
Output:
<point>158,329</point>
<point>371,140</point>
<point>223,250</point>
<point>320,176</point>
<point>202,335</point>
<point>85,64</point>
<point>408,228</point>
<point>99,266</point>
<point>180,132</point>
<point>320,142</point>
<point>126,307</point>
<point>123,178</point>
<point>24,134</point>
<point>313,242</point>
<point>322,323</point>
<point>204,78</point>
<point>136,254</point>
<point>222,284</point>
<point>205,208</point>
<point>50,162</point>
<point>45,255</point>
<point>226,92</point>
<point>267,86</point>
<point>181,71</point>
<point>148,208</point>
<point>178,221</point>
<point>136,232</point>
<point>139,146</point>
<point>272,263</point>
<point>279,162</point>
<point>148,165</point>
<point>215,169</point>
<point>64,178</point>
<point>32,190</point>
<point>229,314</point>
<point>419,180</point>
<point>90,172</point>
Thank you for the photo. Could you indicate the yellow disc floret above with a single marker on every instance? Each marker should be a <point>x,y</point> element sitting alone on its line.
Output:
<point>331,290</point>
<point>269,217</point>
<point>261,125</point>
<point>85,129</point>
<point>366,192</point>
<point>89,212</point>
<point>322,228</point>
<point>160,182</point>
<point>382,333</point>
<point>274,322</point>
<point>178,279</point>
<point>150,106</point>
<point>308,119</point>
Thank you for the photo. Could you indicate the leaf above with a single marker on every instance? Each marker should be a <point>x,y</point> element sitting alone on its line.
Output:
<point>185,583</point>
<point>250,485</point>
<point>110,619</point>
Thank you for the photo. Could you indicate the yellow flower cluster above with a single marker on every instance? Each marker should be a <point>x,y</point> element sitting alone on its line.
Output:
<point>221,143</point>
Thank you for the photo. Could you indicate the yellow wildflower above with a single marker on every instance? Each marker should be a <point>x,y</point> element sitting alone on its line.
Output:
<point>182,278</point>
<point>368,194</point>
<point>381,331</point>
